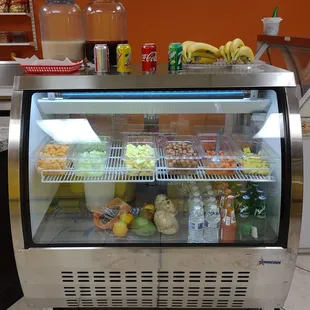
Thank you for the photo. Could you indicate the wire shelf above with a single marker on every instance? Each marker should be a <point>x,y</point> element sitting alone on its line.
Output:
<point>115,171</point>
<point>199,174</point>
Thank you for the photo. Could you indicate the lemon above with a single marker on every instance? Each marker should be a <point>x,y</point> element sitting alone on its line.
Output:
<point>126,218</point>
<point>120,229</point>
<point>149,207</point>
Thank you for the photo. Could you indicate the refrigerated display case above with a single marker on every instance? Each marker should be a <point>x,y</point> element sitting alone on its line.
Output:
<point>293,53</point>
<point>104,177</point>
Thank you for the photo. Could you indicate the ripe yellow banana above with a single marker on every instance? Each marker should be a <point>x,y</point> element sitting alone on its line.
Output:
<point>185,45</point>
<point>202,60</point>
<point>209,49</point>
<point>235,44</point>
<point>204,54</point>
<point>244,59</point>
<point>222,52</point>
<point>244,51</point>
<point>227,52</point>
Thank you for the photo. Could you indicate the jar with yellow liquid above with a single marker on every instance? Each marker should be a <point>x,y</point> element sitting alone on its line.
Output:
<point>125,191</point>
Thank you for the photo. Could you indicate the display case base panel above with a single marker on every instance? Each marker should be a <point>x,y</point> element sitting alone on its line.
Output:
<point>156,277</point>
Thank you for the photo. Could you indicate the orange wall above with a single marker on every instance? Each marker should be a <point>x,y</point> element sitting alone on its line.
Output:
<point>164,21</point>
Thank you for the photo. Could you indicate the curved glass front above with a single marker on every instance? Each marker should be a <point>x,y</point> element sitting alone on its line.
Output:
<point>141,168</point>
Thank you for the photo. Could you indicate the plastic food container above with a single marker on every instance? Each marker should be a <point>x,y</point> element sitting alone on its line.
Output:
<point>90,159</point>
<point>52,159</point>
<point>140,155</point>
<point>271,25</point>
<point>257,157</point>
<point>50,69</point>
<point>182,154</point>
<point>228,154</point>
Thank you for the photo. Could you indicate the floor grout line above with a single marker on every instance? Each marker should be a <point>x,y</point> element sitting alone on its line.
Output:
<point>304,269</point>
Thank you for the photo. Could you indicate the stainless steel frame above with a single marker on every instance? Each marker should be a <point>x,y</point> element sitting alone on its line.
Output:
<point>155,277</point>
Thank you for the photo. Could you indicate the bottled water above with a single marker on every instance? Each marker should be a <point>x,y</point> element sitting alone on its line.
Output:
<point>212,224</point>
<point>196,222</point>
<point>208,187</point>
<point>192,197</point>
<point>194,189</point>
<point>211,201</point>
<point>207,200</point>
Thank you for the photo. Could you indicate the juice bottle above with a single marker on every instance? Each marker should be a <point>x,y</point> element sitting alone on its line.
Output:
<point>228,222</point>
<point>223,199</point>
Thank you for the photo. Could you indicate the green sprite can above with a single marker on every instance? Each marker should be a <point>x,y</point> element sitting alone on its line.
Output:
<point>175,51</point>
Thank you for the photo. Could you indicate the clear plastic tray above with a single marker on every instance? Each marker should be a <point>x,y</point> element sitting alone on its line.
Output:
<point>257,157</point>
<point>229,155</point>
<point>140,155</point>
<point>182,154</point>
<point>51,158</point>
<point>89,159</point>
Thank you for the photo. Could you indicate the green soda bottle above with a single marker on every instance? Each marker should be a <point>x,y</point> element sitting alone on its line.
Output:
<point>259,218</point>
<point>244,222</point>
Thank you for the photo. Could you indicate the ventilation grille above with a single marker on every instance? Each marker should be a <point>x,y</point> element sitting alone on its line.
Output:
<point>151,303</point>
<point>175,289</point>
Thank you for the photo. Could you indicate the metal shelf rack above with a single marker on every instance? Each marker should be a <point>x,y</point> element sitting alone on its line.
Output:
<point>115,171</point>
<point>34,41</point>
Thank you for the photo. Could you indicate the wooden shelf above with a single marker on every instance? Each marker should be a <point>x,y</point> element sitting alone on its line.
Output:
<point>17,44</point>
<point>15,14</point>
<point>30,14</point>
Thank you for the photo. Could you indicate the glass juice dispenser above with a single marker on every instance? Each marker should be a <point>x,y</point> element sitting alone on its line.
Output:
<point>106,23</point>
<point>62,30</point>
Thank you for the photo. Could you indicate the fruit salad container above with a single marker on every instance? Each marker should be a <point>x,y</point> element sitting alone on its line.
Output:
<point>182,154</point>
<point>228,157</point>
<point>140,155</point>
<point>52,158</point>
<point>89,159</point>
<point>257,157</point>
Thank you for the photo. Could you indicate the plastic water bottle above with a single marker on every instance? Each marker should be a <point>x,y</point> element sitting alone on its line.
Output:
<point>208,187</point>
<point>212,224</point>
<point>192,197</point>
<point>207,200</point>
<point>194,189</point>
<point>196,222</point>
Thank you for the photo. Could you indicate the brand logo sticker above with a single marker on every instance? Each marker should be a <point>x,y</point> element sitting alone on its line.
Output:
<point>263,262</point>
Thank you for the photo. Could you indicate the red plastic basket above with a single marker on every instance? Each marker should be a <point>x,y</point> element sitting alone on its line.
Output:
<point>39,69</point>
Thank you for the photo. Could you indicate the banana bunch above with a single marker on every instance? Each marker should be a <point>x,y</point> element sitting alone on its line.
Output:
<point>236,51</point>
<point>199,53</point>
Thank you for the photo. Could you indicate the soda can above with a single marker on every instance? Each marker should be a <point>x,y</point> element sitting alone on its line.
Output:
<point>101,58</point>
<point>175,51</point>
<point>123,58</point>
<point>149,58</point>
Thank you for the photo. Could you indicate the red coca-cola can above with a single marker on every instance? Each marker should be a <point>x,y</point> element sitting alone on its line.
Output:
<point>149,58</point>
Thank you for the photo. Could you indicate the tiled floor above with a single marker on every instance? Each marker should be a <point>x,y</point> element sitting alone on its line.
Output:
<point>299,295</point>
<point>298,298</point>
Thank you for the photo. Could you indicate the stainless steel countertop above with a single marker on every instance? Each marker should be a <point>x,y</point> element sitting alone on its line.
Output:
<point>221,77</point>
<point>8,70</point>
